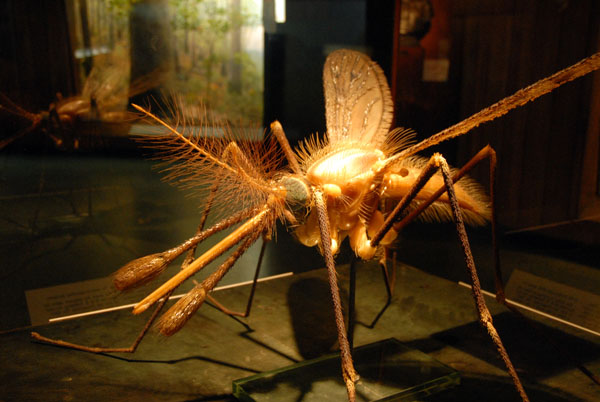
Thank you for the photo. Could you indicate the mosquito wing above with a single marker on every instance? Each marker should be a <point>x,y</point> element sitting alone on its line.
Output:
<point>358,102</point>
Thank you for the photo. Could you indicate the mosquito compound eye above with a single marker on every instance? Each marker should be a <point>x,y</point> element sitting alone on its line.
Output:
<point>298,192</point>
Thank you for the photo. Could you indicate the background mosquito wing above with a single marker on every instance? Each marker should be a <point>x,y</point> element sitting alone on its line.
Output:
<point>358,102</point>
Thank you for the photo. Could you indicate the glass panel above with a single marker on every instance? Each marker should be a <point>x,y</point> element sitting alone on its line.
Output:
<point>388,369</point>
<point>209,52</point>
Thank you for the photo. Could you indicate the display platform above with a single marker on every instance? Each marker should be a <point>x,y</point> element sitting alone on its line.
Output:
<point>389,371</point>
<point>292,322</point>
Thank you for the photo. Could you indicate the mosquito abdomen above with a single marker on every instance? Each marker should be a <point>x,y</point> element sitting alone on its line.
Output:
<point>471,197</point>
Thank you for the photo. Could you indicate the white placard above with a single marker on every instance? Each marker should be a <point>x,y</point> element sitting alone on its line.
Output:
<point>95,296</point>
<point>74,298</point>
<point>566,302</point>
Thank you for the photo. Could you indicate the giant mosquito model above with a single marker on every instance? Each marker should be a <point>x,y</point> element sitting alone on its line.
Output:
<point>332,189</point>
<point>104,98</point>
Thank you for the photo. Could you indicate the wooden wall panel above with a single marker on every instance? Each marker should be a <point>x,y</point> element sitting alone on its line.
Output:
<point>506,47</point>
<point>36,60</point>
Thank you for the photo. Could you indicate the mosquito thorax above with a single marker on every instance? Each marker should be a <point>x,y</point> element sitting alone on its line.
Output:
<point>341,167</point>
<point>297,192</point>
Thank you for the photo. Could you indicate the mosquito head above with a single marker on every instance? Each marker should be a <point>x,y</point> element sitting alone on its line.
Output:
<point>298,194</point>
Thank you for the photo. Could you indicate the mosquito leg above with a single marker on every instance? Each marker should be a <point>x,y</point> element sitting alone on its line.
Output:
<point>256,222</point>
<point>7,104</point>
<point>389,281</point>
<point>92,349</point>
<point>438,162</point>
<point>144,269</point>
<point>427,172</point>
<point>348,371</point>
<point>490,153</point>
<point>237,158</point>
<point>285,145</point>
<point>55,118</point>
<point>189,257</point>
<point>503,106</point>
<point>246,313</point>
<point>240,163</point>
<point>499,282</point>
<point>232,152</point>
<point>159,259</point>
<point>155,313</point>
<point>263,247</point>
<point>176,317</point>
<point>352,301</point>
<point>485,317</point>
<point>486,152</point>
<point>21,133</point>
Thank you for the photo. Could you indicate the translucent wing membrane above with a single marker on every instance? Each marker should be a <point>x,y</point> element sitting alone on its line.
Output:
<point>107,90</point>
<point>358,102</point>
